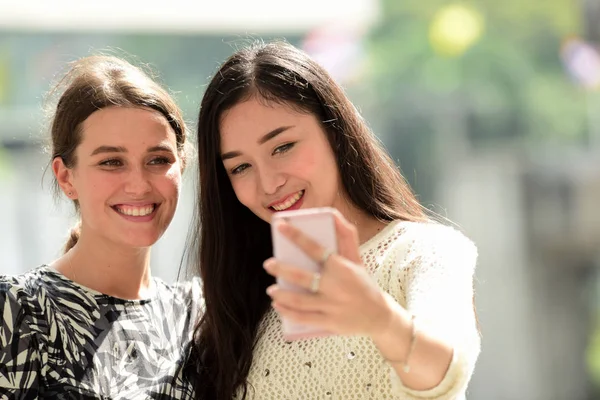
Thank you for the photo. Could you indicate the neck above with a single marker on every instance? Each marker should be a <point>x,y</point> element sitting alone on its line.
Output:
<point>367,225</point>
<point>108,268</point>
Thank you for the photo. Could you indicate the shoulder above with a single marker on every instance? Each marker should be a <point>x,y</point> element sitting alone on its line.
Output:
<point>408,244</point>
<point>433,235</point>
<point>435,244</point>
<point>23,289</point>
<point>21,301</point>
<point>43,295</point>
<point>422,236</point>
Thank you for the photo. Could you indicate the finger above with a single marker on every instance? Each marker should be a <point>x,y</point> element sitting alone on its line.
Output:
<point>292,275</point>
<point>296,301</point>
<point>312,249</point>
<point>347,238</point>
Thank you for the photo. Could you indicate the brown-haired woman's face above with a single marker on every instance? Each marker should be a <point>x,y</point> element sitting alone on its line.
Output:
<point>278,159</point>
<point>127,176</point>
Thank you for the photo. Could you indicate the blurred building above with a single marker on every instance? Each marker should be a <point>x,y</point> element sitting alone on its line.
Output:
<point>539,243</point>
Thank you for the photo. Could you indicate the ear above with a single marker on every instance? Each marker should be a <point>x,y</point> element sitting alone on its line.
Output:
<point>64,177</point>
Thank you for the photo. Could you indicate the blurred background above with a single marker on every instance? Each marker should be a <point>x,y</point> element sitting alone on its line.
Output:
<point>491,109</point>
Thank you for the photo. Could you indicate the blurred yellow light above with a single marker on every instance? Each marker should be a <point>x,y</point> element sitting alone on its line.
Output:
<point>454,29</point>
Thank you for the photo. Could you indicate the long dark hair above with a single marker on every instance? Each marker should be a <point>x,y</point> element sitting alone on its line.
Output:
<point>233,242</point>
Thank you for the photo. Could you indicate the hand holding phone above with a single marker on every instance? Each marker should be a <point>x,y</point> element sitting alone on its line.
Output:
<point>319,225</point>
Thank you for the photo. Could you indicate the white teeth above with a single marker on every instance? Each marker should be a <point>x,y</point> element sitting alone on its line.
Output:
<point>136,211</point>
<point>289,202</point>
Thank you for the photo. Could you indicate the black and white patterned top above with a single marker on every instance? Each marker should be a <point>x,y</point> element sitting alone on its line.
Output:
<point>60,340</point>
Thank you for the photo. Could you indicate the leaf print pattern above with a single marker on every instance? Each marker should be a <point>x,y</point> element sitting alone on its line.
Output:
<point>61,340</point>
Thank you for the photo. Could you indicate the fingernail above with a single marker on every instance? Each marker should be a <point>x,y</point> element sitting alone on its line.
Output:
<point>283,227</point>
<point>269,263</point>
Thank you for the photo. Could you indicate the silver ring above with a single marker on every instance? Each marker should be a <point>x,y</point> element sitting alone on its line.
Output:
<point>326,254</point>
<point>315,283</point>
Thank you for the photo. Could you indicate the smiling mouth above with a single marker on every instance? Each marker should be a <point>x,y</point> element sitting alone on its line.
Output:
<point>134,211</point>
<point>288,203</point>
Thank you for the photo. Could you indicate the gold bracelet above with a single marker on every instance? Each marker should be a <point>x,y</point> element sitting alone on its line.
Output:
<point>413,341</point>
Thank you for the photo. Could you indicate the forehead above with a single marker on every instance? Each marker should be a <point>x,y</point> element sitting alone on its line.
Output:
<point>256,110</point>
<point>126,126</point>
<point>255,117</point>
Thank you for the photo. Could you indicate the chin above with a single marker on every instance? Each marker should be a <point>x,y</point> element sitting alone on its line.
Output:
<point>139,241</point>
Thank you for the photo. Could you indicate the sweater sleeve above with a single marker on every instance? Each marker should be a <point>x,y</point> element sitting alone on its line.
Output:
<point>437,275</point>
<point>20,355</point>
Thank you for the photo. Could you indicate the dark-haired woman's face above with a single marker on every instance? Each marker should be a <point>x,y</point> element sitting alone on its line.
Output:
<point>278,159</point>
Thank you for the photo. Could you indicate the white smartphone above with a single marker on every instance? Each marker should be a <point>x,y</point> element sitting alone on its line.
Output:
<point>318,224</point>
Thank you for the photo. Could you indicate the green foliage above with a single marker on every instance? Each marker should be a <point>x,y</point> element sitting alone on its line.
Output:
<point>593,354</point>
<point>510,82</point>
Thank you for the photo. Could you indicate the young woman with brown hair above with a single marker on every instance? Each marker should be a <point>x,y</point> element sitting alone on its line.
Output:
<point>95,324</point>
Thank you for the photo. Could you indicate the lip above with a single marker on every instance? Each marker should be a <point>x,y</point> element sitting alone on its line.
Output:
<point>136,204</point>
<point>144,218</point>
<point>297,205</point>
<point>284,199</point>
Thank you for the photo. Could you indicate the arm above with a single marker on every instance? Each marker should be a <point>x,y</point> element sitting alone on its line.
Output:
<point>437,274</point>
<point>20,361</point>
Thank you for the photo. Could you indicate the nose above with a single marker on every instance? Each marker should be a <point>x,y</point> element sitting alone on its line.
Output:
<point>270,180</point>
<point>137,183</point>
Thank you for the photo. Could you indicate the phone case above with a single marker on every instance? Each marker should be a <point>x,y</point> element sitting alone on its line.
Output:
<point>319,224</point>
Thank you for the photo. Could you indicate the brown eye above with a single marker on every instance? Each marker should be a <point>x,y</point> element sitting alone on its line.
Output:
<point>239,169</point>
<point>111,162</point>
<point>160,161</point>
<point>283,148</point>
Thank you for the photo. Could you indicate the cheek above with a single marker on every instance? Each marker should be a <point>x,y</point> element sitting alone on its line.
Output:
<point>318,167</point>
<point>305,165</point>
<point>170,183</point>
<point>94,190</point>
<point>96,187</point>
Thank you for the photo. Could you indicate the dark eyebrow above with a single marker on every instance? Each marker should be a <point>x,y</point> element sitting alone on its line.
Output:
<point>119,149</point>
<point>109,149</point>
<point>262,140</point>
<point>160,147</point>
<point>273,134</point>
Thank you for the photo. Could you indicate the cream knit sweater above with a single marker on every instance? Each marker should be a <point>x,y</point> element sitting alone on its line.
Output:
<point>428,268</point>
